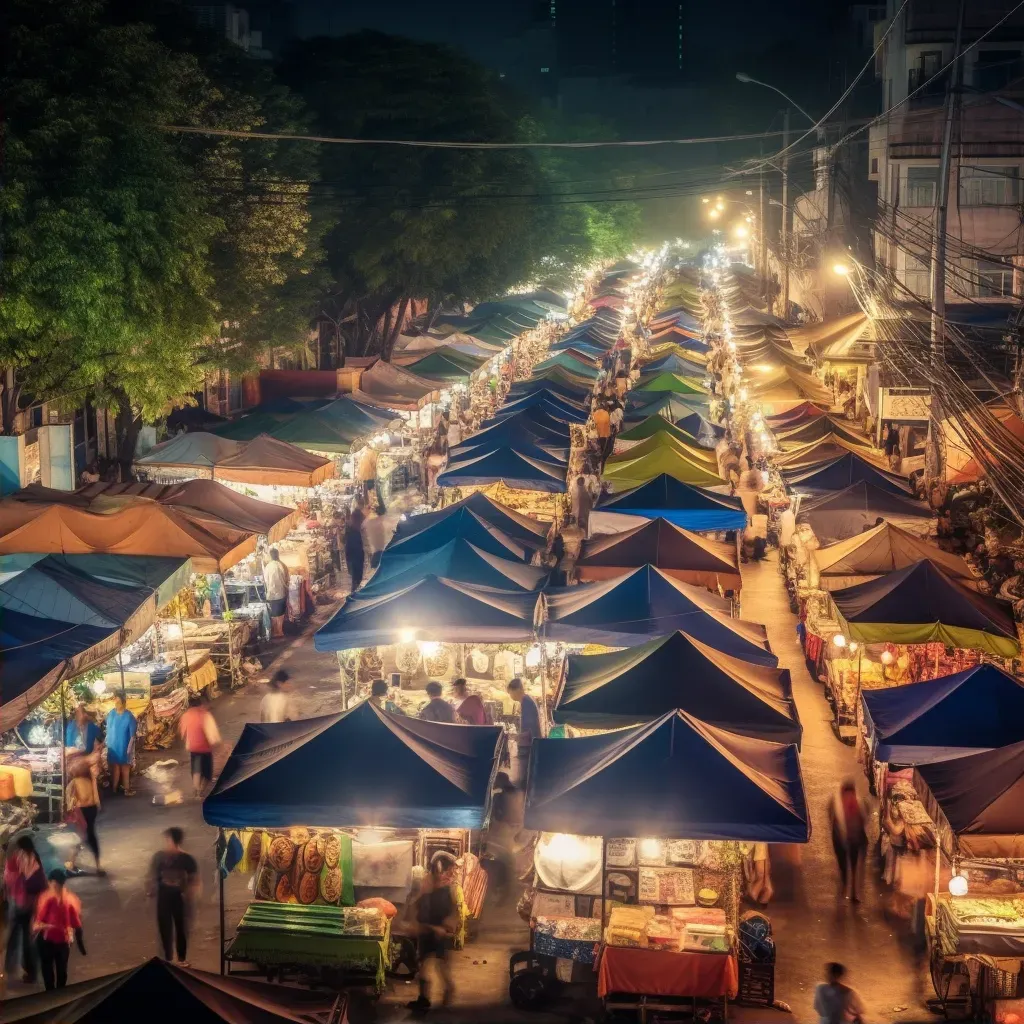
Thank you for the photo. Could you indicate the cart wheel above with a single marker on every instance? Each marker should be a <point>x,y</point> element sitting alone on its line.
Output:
<point>528,990</point>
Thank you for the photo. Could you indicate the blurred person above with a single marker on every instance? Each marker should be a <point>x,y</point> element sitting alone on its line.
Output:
<point>379,696</point>
<point>366,473</point>
<point>834,1001</point>
<point>437,921</point>
<point>81,806</point>
<point>582,503</point>
<point>198,729</point>
<point>275,579</point>
<point>82,735</point>
<point>355,548</point>
<point>849,837</point>
<point>603,428</point>
<point>174,881</point>
<point>58,919</point>
<point>469,706</point>
<point>121,728</point>
<point>531,726</point>
<point>24,883</point>
<point>437,708</point>
<point>276,705</point>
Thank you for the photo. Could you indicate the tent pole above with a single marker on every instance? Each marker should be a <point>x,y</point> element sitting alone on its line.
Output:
<point>220,887</point>
<point>120,665</point>
<point>184,649</point>
<point>231,645</point>
<point>63,744</point>
<point>604,882</point>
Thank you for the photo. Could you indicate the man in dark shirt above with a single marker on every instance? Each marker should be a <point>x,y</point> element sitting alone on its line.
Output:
<point>437,709</point>
<point>437,920</point>
<point>469,706</point>
<point>531,726</point>
<point>173,879</point>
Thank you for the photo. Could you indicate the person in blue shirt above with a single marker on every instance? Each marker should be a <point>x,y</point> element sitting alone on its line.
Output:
<point>121,729</point>
<point>83,735</point>
<point>531,726</point>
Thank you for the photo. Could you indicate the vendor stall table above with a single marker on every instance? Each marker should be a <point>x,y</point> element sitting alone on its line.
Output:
<point>284,936</point>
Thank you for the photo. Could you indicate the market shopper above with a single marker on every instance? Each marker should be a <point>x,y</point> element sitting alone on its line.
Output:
<point>24,883</point>
<point>531,726</point>
<point>174,881</point>
<point>834,1001</point>
<point>582,503</point>
<point>275,579</point>
<point>83,735</point>
<point>379,696</point>
<point>437,708</point>
<point>603,428</point>
<point>121,728</point>
<point>367,471</point>
<point>58,919</point>
<point>469,706</point>
<point>355,549</point>
<point>276,705</point>
<point>81,806</point>
<point>437,921</point>
<point>849,837</point>
<point>198,729</point>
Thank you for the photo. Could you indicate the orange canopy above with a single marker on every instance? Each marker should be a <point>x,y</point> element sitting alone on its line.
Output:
<point>142,528</point>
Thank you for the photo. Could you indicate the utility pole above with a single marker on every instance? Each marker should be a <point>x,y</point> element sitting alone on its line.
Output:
<point>938,280</point>
<point>785,213</point>
<point>762,230</point>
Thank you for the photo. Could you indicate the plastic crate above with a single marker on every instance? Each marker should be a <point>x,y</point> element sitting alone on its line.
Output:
<point>757,984</point>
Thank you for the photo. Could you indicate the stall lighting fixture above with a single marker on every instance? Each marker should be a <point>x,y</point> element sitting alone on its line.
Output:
<point>841,269</point>
<point>839,640</point>
<point>713,213</point>
<point>99,687</point>
<point>430,648</point>
<point>741,231</point>
<point>958,886</point>
<point>407,636</point>
<point>886,657</point>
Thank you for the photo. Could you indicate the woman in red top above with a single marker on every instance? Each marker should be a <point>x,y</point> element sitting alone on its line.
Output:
<point>23,882</point>
<point>58,920</point>
<point>199,731</point>
<point>849,837</point>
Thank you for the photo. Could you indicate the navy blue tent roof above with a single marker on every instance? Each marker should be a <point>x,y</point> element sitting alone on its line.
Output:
<point>675,363</point>
<point>465,524</point>
<point>457,560</point>
<point>535,471</point>
<point>692,508</point>
<point>33,651</point>
<point>546,403</point>
<point>520,442</point>
<point>963,713</point>
<point>362,767</point>
<point>540,415</point>
<point>560,399</point>
<point>698,426</point>
<point>508,521</point>
<point>433,608</point>
<point>513,427</point>
<point>837,474</point>
<point>606,691</point>
<point>675,777</point>
<point>841,514</point>
<point>630,609</point>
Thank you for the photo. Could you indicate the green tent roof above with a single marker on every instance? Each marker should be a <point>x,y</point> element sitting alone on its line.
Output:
<point>671,382</point>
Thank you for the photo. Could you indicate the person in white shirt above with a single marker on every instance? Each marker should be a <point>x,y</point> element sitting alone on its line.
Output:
<point>275,577</point>
<point>276,706</point>
<point>836,1003</point>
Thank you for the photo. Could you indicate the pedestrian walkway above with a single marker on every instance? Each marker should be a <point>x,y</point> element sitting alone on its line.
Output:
<point>811,923</point>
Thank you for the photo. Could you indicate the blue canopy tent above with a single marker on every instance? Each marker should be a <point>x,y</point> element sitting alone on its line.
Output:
<point>839,473</point>
<point>511,466</point>
<point>841,514</point>
<point>37,652</point>
<point>608,691</point>
<point>644,603</point>
<point>568,362</point>
<point>641,404</point>
<point>518,441</point>
<point>511,524</point>
<point>675,363</point>
<point>545,403</point>
<point>573,399</point>
<point>515,427</point>
<point>433,608</point>
<point>675,777</point>
<point>690,507</point>
<point>539,415</point>
<point>457,560</point>
<point>362,767</point>
<point>980,709</point>
<point>698,426</point>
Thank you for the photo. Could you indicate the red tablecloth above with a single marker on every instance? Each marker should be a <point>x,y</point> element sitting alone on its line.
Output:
<point>656,972</point>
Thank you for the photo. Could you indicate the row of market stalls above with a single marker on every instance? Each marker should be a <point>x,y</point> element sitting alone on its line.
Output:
<point>921,666</point>
<point>653,684</point>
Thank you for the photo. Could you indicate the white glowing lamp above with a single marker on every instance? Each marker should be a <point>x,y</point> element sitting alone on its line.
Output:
<point>533,657</point>
<point>650,849</point>
<point>429,648</point>
<point>886,657</point>
<point>958,886</point>
<point>839,640</point>
<point>406,636</point>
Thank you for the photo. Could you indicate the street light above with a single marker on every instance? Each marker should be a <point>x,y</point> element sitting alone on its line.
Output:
<point>741,231</point>
<point>714,212</point>
<point>841,269</point>
<point>747,80</point>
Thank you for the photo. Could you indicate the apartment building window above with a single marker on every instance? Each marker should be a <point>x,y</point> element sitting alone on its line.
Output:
<point>928,77</point>
<point>917,276</point>
<point>234,392</point>
<point>994,279</point>
<point>919,186</point>
<point>989,186</point>
<point>996,69</point>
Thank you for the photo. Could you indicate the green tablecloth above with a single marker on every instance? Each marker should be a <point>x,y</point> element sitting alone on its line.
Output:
<point>284,934</point>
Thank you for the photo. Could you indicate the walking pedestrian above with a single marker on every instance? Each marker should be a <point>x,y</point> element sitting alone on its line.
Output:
<point>834,1001</point>
<point>24,883</point>
<point>198,729</point>
<point>121,729</point>
<point>58,919</point>
<point>603,428</point>
<point>531,726</point>
<point>82,805</point>
<point>437,921</point>
<point>275,579</point>
<point>276,706</point>
<point>174,880</point>
<point>582,503</point>
<point>849,837</point>
<point>355,550</point>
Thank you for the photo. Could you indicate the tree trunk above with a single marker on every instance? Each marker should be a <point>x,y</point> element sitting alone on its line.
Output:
<point>9,400</point>
<point>389,341</point>
<point>128,426</point>
<point>385,333</point>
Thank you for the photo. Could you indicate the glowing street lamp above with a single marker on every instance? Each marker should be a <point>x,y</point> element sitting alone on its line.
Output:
<point>841,269</point>
<point>741,231</point>
<point>714,212</point>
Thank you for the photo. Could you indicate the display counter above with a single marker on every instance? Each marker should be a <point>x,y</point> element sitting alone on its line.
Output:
<point>656,972</point>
